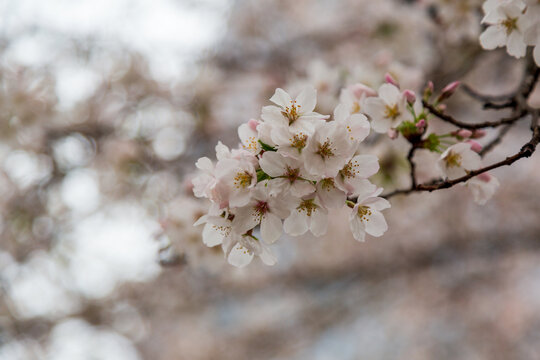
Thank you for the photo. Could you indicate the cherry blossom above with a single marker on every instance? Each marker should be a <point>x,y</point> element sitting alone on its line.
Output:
<point>289,174</point>
<point>297,114</point>
<point>387,110</point>
<point>457,160</point>
<point>366,216</point>
<point>309,214</point>
<point>483,187</point>
<point>264,209</point>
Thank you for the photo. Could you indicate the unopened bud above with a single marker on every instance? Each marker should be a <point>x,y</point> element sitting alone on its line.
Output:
<point>475,146</point>
<point>410,96</point>
<point>392,134</point>
<point>390,80</point>
<point>477,134</point>
<point>441,107</point>
<point>360,90</point>
<point>448,90</point>
<point>464,133</point>
<point>421,124</point>
<point>428,90</point>
<point>252,123</point>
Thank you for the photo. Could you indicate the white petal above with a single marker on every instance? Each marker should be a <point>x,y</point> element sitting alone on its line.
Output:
<point>272,163</point>
<point>302,188</point>
<point>296,224</point>
<point>376,224</point>
<point>341,112</point>
<point>330,196</point>
<point>493,37</point>
<point>239,256</point>
<point>267,256</point>
<point>281,98</point>
<point>319,222</point>
<point>368,165</point>
<point>357,227</point>
<point>211,235</point>
<point>307,99</point>
<point>273,116</point>
<point>516,45</point>
<point>377,203</point>
<point>271,228</point>
<point>390,94</point>
<point>244,219</point>
<point>205,164</point>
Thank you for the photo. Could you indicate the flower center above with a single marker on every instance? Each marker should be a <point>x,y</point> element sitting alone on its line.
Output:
<point>453,159</point>
<point>510,24</point>
<point>350,170</point>
<point>307,206</point>
<point>392,112</point>
<point>298,141</point>
<point>261,208</point>
<point>251,143</point>
<point>292,112</point>
<point>292,174</point>
<point>242,180</point>
<point>327,184</point>
<point>223,230</point>
<point>325,150</point>
<point>364,213</point>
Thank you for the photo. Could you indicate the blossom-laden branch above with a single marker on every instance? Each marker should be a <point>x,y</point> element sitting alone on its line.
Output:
<point>518,99</point>
<point>295,165</point>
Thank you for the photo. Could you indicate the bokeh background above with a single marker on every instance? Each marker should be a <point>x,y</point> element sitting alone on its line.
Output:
<point>105,105</point>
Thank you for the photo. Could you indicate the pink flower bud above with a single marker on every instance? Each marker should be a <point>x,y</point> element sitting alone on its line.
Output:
<point>390,80</point>
<point>441,107</point>
<point>430,86</point>
<point>464,133</point>
<point>477,134</point>
<point>421,124</point>
<point>485,177</point>
<point>476,147</point>
<point>252,123</point>
<point>392,134</point>
<point>451,88</point>
<point>410,96</point>
<point>360,90</point>
<point>428,91</point>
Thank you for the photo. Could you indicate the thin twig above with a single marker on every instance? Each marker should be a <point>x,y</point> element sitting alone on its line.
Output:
<point>486,124</point>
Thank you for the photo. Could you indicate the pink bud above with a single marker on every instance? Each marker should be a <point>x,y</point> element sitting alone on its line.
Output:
<point>464,133</point>
<point>252,123</point>
<point>392,134</point>
<point>476,147</point>
<point>410,96</point>
<point>451,88</point>
<point>390,80</point>
<point>430,86</point>
<point>360,90</point>
<point>441,107</point>
<point>477,134</point>
<point>421,124</point>
<point>485,177</point>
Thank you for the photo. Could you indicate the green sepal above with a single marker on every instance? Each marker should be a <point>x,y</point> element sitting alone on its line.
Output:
<point>266,147</point>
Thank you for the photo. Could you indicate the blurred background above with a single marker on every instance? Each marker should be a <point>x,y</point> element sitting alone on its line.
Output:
<point>105,105</point>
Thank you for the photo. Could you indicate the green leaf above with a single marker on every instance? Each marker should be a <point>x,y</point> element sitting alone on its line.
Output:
<point>267,147</point>
<point>261,175</point>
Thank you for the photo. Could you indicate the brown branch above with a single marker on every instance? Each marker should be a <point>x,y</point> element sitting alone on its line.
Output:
<point>486,124</point>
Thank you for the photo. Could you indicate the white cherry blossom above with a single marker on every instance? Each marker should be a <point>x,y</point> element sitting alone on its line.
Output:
<point>298,114</point>
<point>356,125</point>
<point>507,27</point>
<point>289,143</point>
<point>457,160</point>
<point>241,250</point>
<point>387,110</point>
<point>353,176</point>
<point>289,174</point>
<point>366,216</point>
<point>250,137</point>
<point>483,187</point>
<point>328,150</point>
<point>264,209</point>
<point>352,98</point>
<point>309,214</point>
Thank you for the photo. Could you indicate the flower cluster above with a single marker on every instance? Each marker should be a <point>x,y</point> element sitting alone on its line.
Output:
<point>294,166</point>
<point>514,24</point>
